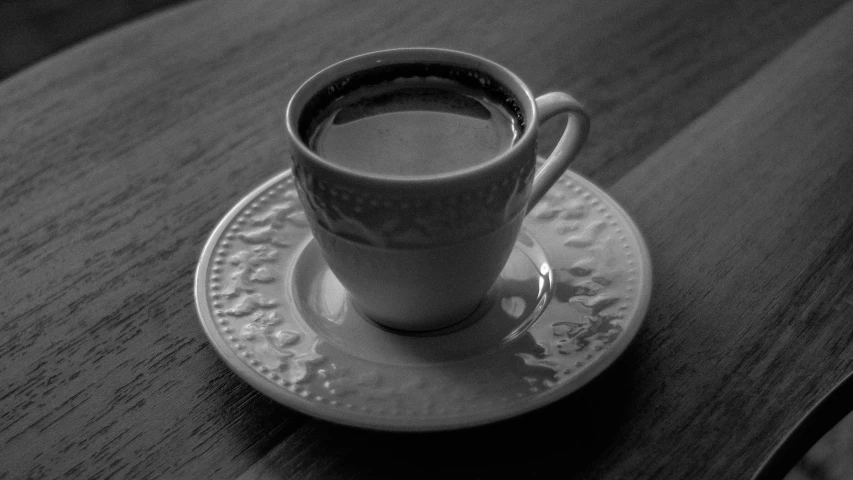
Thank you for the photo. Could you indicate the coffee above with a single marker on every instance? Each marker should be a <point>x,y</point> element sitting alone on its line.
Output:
<point>414,126</point>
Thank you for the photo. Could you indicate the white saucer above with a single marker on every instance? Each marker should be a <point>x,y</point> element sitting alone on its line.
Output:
<point>568,303</point>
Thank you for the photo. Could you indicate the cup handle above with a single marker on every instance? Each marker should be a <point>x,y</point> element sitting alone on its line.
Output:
<point>577,129</point>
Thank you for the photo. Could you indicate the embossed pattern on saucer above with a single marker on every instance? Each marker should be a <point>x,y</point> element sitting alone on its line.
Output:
<point>567,304</point>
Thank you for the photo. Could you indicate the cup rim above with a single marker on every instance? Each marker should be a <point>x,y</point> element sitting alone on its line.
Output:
<point>340,69</point>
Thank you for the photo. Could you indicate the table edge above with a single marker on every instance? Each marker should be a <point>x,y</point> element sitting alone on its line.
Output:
<point>825,414</point>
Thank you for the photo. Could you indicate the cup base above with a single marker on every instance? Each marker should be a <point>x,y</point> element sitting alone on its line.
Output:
<point>419,289</point>
<point>463,321</point>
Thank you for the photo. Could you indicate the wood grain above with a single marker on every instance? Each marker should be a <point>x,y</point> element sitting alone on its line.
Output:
<point>749,216</point>
<point>118,157</point>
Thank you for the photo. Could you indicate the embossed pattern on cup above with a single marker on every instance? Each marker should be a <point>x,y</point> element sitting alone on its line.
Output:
<point>395,219</point>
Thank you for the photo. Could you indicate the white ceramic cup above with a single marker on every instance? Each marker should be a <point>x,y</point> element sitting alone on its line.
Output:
<point>419,252</point>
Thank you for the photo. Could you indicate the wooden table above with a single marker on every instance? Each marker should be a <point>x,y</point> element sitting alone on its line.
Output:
<point>724,128</point>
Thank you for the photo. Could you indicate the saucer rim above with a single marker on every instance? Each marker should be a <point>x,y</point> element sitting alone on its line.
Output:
<point>306,406</point>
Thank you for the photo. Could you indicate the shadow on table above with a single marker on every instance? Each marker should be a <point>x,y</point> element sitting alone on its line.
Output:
<point>567,436</point>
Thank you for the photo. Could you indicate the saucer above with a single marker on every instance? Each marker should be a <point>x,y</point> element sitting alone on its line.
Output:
<point>568,302</point>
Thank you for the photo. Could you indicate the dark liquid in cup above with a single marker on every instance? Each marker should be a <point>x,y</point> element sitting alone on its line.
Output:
<point>414,126</point>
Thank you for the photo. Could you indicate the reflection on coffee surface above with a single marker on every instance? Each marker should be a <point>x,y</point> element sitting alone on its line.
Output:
<point>414,126</point>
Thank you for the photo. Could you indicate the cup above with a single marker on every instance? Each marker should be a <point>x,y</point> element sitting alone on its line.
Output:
<point>417,245</point>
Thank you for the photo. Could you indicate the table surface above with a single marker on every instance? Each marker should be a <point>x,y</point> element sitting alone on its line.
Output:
<point>724,128</point>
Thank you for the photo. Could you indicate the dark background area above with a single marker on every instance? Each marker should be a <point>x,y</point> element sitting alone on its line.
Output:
<point>31,30</point>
